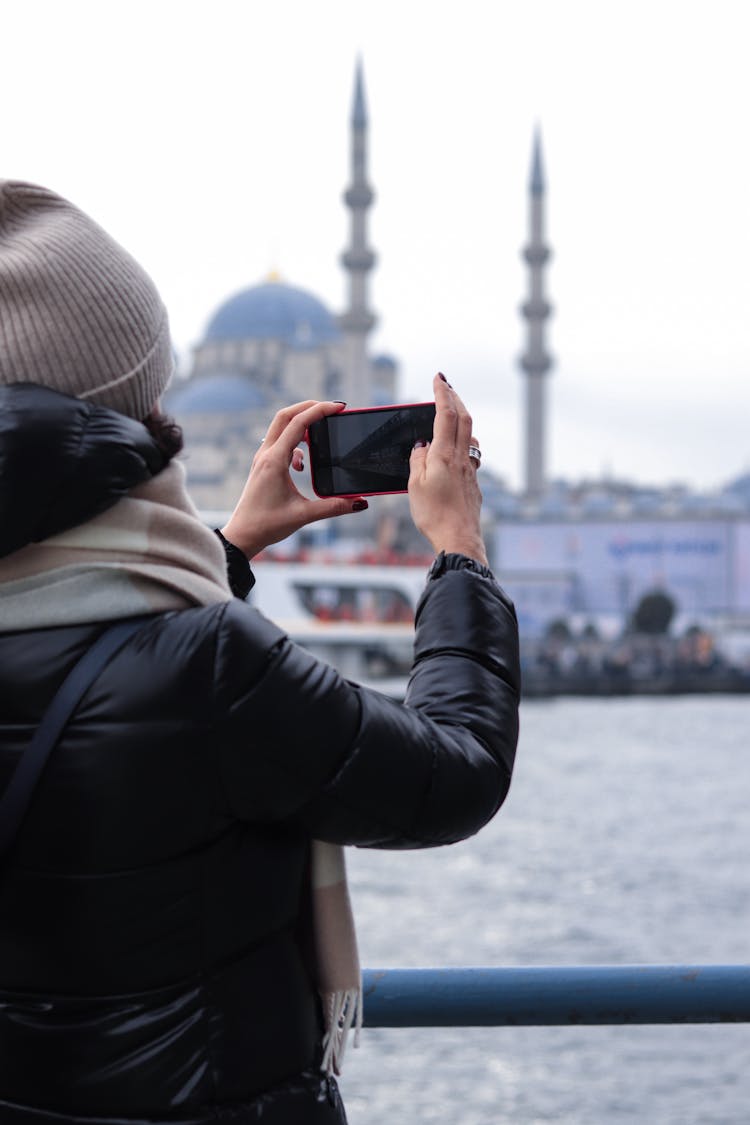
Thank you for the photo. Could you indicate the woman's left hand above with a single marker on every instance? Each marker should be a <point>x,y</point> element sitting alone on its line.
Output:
<point>271,507</point>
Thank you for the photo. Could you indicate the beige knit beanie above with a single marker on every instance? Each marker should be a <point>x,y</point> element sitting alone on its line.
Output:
<point>77,313</point>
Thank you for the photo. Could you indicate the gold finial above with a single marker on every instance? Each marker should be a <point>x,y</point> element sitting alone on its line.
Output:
<point>274,276</point>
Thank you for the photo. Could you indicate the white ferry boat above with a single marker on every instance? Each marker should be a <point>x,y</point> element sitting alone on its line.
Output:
<point>359,617</point>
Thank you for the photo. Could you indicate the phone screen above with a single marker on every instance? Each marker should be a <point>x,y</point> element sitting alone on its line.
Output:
<point>367,451</point>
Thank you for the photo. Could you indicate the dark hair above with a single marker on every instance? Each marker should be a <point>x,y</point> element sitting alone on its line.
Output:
<point>165,432</point>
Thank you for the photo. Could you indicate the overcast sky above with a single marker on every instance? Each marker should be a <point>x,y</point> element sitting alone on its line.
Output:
<point>212,140</point>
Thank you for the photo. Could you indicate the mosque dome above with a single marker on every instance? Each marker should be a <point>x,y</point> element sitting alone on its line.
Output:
<point>215,394</point>
<point>384,362</point>
<point>274,311</point>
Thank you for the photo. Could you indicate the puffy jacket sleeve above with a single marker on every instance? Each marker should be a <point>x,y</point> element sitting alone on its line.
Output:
<point>300,744</point>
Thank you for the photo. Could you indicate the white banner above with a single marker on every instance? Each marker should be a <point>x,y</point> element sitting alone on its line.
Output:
<point>704,565</point>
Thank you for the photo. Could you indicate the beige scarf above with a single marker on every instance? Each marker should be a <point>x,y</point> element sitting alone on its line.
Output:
<point>151,553</point>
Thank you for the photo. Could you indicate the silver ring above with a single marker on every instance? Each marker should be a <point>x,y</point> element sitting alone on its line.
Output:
<point>475,454</point>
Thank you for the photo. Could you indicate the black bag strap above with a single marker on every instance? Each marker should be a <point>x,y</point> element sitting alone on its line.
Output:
<point>19,791</point>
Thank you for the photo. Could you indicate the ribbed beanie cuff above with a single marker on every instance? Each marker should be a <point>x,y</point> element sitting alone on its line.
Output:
<point>77,312</point>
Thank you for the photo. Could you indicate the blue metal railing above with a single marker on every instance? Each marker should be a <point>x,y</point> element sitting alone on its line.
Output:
<point>539,996</point>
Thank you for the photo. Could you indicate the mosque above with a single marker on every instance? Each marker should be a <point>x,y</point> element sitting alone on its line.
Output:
<point>273,344</point>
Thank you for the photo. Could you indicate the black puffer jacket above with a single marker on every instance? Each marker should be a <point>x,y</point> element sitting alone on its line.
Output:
<point>153,962</point>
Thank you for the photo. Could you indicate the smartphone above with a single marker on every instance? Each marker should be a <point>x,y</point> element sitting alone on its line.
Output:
<point>366,452</point>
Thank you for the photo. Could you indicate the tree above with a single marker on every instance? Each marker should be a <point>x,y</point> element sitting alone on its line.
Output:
<point>559,630</point>
<point>653,614</point>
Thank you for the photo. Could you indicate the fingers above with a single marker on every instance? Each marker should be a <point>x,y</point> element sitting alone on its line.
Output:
<point>335,506</point>
<point>463,433</point>
<point>281,419</point>
<point>446,415</point>
<point>296,418</point>
<point>453,423</point>
<point>296,424</point>
<point>417,460</point>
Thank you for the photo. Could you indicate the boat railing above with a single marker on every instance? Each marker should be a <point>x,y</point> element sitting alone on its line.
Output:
<point>544,996</point>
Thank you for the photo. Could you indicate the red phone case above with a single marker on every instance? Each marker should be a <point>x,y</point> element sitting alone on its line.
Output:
<point>364,410</point>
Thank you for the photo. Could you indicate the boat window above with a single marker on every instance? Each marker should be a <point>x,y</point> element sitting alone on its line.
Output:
<point>328,601</point>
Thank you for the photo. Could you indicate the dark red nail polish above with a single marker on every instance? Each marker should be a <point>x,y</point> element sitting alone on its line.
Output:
<point>359,505</point>
<point>420,444</point>
<point>339,401</point>
<point>444,379</point>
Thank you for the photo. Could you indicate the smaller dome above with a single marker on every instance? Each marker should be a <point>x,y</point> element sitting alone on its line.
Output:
<point>384,362</point>
<point>274,311</point>
<point>215,394</point>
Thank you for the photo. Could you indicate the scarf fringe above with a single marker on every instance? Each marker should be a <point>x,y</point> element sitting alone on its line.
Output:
<point>342,1011</point>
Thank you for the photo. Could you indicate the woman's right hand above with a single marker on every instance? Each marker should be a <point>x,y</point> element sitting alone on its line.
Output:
<point>444,494</point>
<point>271,506</point>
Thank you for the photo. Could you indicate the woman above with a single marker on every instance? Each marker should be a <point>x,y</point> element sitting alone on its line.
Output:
<point>166,909</point>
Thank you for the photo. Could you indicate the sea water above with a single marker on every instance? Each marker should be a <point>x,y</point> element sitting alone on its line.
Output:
<point>625,839</point>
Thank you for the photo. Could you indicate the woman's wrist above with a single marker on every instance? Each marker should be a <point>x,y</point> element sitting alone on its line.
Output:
<point>233,533</point>
<point>471,546</point>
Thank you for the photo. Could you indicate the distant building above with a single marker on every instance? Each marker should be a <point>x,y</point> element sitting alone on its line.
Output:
<point>591,554</point>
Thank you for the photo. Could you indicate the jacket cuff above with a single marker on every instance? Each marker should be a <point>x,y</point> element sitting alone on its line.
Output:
<point>445,562</point>
<point>241,577</point>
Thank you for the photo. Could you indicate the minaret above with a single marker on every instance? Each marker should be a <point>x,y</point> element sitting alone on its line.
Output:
<point>535,361</point>
<point>357,322</point>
